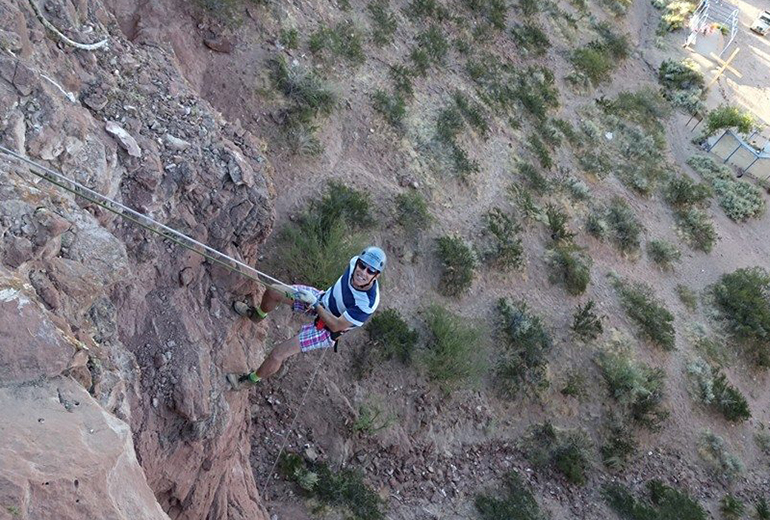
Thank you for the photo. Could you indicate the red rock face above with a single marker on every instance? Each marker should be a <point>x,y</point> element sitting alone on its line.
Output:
<point>155,318</point>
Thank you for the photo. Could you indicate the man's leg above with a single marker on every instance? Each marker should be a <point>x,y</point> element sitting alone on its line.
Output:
<point>277,356</point>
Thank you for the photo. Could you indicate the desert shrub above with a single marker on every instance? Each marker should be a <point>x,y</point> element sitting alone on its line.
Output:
<point>619,443</point>
<point>557,224</point>
<point>762,510</point>
<point>534,178</point>
<point>472,112</point>
<point>623,226</point>
<point>565,127</point>
<point>529,208</point>
<point>596,60</point>
<point>401,77</point>
<point>531,38</point>
<point>389,332</point>
<point>529,7</point>
<point>449,124</point>
<point>675,14</point>
<point>308,98</point>
<point>713,389</point>
<point>493,12</point>
<point>743,299</point>
<point>586,324</point>
<point>434,44</point>
<point>343,489</point>
<point>344,41</point>
<point>412,212</point>
<point>596,224</point>
<point>371,420</point>
<point>525,346</point>
<point>637,387</point>
<point>726,116</point>
<point>420,61</point>
<point>391,106</point>
<point>713,450</point>
<point>463,165</point>
<point>682,192</point>
<point>740,200</point>
<point>655,321</point>
<point>426,9</point>
<point>452,356</point>
<point>324,237</point>
<point>763,442</point>
<point>687,296</point>
<point>384,22</point>
<point>683,85</point>
<point>575,385</point>
<point>570,266</point>
<point>663,253</point>
<point>458,263</point>
<point>666,503</point>
<point>518,502</point>
<point>567,451</point>
<point>576,188</point>
<point>506,251</point>
<point>289,38</point>
<point>731,506</point>
<point>541,151</point>
<point>697,228</point>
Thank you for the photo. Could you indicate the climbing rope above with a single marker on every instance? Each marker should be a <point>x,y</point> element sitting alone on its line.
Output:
<point>178,238</point>
<point>144,221</point>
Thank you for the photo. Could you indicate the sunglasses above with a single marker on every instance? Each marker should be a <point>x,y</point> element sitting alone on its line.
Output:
<point>366,268</point>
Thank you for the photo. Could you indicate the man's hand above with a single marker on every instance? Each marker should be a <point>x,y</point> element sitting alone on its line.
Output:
<point>307,297</point>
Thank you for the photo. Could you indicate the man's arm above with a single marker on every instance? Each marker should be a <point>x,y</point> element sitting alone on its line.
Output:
<point>333,323</point>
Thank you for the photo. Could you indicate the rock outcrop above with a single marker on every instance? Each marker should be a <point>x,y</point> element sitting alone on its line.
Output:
<point>134,329</point>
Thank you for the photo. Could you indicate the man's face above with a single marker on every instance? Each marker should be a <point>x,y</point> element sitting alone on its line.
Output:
<point>363,274</point>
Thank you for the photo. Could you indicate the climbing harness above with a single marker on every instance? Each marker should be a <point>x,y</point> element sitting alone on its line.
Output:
<point>183,240</point>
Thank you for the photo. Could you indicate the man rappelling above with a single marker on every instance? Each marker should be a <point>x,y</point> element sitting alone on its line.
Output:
<point>347,304</point>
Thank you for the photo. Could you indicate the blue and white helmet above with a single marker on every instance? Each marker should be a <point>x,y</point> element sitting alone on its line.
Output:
<point>374,257</point>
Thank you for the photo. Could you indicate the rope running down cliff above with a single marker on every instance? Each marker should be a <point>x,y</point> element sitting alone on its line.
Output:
<point>178,238</point>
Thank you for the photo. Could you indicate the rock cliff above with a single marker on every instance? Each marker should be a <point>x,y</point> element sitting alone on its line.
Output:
<point>108,329</point>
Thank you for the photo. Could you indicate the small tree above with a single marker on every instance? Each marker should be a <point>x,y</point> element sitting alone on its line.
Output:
<point>726,116</point>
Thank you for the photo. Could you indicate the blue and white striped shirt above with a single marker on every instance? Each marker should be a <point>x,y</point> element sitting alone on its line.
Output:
<point>342,299</point>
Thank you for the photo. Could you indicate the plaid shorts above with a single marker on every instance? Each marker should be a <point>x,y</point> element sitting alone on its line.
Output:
<point>311,338</point>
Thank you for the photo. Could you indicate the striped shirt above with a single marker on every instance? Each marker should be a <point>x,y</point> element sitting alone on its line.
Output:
<point>342,299</point>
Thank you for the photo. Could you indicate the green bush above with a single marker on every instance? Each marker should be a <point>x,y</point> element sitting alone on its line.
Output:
<point>449,124</point>
<point>531,38</point>
<point>743,301</point>
<point>384,22</point>
<point>506,252</point>
<point>726,116</point>
<point>566,451</point>
<point>731,506</point>
<point>570,266</point>
<point>586,324</point>
<point>525,345</point>
<point>541,151</point>
<point>623,226</point>
<point>320,243</point>
<point>593,63</point>
<point>675,15</point>
<point>529,7</point>
<point>597,225</point>
<point>412,212</point>
<point>619,443</point>
<point>697,228</point>
<point>763,442</point>
<point>687,297</point>
<point>422,9</point>
<point>663,253</point>
<point>493,12</point>
<point>434,44</point>
<point>655,321</point>
<point>762,510</point>
<point>391,107</point>
<point>575,385</point>
<point>713,389</point>
<point>518,503</point>
<point>683,85</point>
<point>402,80</point>
<point>453,357</point>
<point>713,450</point>
<point>344,489</point>
<point>420,61</point>
<point>666,503</point>
<point>389,332</point>
<point>472,112</point>
<point>637,387</point>
<point>458,265</point>
<point>682,192</point>
<point>289,38</point>
<point>344,41</point>
<point>370,420</point>
<point>534,178</point>
<point>740,200</point>
<point>557,224</point>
